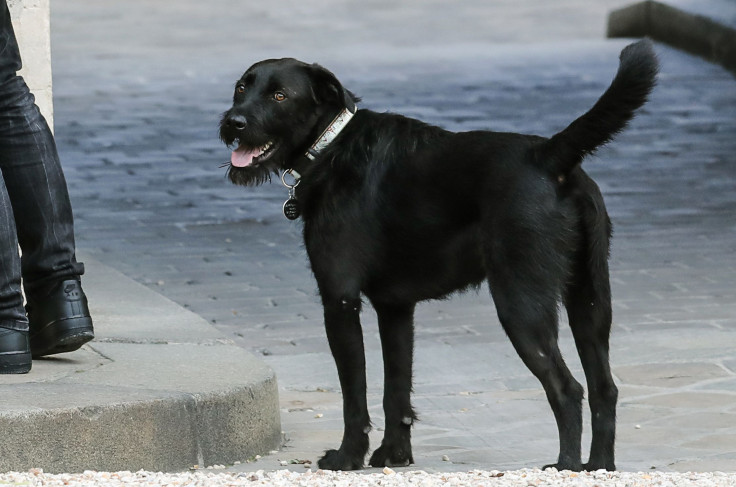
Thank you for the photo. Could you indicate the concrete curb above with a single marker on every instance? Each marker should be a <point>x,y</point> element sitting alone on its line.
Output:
<point>159,389</point>
<point>706,28</point>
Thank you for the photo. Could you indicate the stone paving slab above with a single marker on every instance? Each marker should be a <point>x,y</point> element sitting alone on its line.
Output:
<point>159,389</point>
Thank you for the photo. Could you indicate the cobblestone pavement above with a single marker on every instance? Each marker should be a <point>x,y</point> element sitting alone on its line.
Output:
<point>139,87</point>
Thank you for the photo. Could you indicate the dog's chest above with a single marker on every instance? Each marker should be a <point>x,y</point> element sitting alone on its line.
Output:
<point>394,261</point>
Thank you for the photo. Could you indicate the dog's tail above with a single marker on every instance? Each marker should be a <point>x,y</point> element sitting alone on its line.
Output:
<point>629,90</point>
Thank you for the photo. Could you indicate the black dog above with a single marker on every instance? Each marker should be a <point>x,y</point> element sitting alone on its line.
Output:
<point>400,211</point>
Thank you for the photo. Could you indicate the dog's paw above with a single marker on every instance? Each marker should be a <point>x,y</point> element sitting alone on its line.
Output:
<point>565,466</point>
<point>392,455</point>
<point>593,466</point>
<point>337,460</point>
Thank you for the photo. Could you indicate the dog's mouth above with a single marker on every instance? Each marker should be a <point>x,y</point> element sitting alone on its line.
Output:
<point>245,156</point>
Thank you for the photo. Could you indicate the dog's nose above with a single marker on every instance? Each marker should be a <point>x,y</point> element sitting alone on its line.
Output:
<point>236,121</point>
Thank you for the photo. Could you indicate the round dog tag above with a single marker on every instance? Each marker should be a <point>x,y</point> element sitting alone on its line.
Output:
<point>291,209</point>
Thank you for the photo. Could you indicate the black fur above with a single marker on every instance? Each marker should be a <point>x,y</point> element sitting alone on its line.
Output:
<point>400,211</point>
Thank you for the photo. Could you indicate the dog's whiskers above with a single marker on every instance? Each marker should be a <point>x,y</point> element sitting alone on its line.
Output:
<point>224,164</point>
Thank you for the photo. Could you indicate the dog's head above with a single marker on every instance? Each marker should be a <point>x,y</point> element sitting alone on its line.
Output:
<point>280,107</point>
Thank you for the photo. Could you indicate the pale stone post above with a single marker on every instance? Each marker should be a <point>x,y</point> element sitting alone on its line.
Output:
<point>31,22</point>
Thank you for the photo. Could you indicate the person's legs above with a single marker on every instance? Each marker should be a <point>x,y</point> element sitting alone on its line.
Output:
<point>15,354</point>
<point>37,190</point>
<point>57,308</point>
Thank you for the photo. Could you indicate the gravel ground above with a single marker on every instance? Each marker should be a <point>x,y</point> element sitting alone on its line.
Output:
<point>388,478</point>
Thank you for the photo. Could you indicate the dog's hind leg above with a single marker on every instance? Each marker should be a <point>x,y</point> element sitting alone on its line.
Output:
<point>588,303</point>
<point>526,301</point>
<point>590,320</point>
<point>396,326</point>
<point>345,336</point>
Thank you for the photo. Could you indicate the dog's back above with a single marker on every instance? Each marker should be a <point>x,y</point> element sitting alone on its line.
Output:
<point>425,204</point>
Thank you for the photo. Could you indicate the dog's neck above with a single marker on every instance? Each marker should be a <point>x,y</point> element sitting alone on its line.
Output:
<point>328,134</point>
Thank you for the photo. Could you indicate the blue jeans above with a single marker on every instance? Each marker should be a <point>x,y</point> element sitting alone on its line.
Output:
<point>35,211</point>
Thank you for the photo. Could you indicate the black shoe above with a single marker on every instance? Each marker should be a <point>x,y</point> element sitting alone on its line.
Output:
<point>15,352</point>
<point>59,319</point>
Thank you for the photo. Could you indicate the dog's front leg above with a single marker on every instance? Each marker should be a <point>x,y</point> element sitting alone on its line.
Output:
<point>342,321</point>
<point>396,325</point>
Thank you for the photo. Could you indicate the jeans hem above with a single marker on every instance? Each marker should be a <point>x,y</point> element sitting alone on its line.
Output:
<point>44,284</point>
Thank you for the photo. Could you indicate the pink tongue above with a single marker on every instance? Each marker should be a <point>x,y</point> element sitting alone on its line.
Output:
<point>243,157</point>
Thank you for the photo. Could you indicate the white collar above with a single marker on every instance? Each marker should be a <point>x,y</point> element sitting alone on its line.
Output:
<point>329,134</point>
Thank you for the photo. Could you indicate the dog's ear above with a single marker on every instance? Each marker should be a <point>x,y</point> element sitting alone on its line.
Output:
<point>327,89</point>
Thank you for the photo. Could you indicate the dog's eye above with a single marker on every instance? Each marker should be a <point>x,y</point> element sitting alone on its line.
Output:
<point>240,89</point>
<point>279,96</point>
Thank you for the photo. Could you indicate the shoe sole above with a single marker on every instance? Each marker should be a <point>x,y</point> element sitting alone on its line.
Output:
<point>15,362</point>
<point>62,336</point>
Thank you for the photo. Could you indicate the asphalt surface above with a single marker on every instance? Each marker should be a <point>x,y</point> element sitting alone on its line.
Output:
<point>139,88</point>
